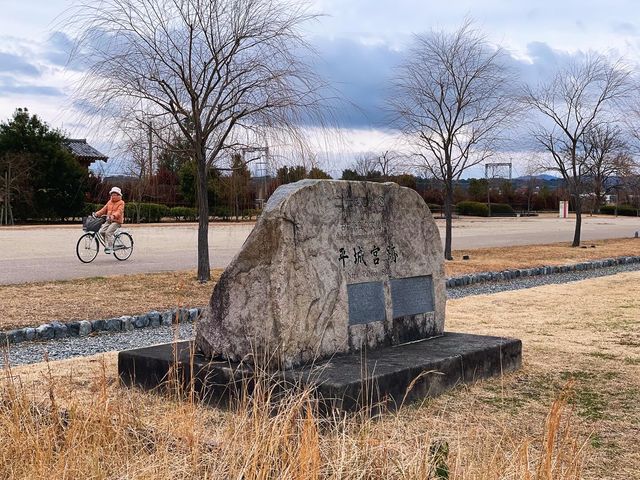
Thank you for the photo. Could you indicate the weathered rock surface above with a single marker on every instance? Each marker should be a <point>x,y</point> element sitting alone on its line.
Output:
<point>331,267</point>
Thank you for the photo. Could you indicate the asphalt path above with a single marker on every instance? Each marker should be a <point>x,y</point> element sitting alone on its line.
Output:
<point>46,253</point>
<point>34,254</point>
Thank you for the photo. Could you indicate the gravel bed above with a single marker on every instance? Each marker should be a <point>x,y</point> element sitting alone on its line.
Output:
<point>33,352</point>
<point>536,281</point>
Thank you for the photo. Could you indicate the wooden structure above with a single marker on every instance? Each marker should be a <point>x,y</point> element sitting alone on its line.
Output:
<point>83,152</point>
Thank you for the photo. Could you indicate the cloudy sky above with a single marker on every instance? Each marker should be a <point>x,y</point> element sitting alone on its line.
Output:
<point>359,42</point>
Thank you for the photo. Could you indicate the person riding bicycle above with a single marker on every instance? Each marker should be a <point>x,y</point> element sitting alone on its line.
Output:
<point>114,210</point>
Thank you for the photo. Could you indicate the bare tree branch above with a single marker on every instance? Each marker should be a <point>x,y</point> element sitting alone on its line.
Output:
<point>579,101</point>
<point>215,69</point>
<point>451,99</point>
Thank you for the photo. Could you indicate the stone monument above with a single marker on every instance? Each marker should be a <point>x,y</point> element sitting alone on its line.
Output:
<point>340,285</point>
<point>331,267</point>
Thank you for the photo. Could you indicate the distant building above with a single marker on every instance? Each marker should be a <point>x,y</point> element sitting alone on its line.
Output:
<point>83,152</point>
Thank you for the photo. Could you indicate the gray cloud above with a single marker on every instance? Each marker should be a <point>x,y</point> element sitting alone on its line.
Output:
<point>10,63</point>
<point>543,61</point>
<point>360,74</point>
<point>59,47</point>
<point>9,86</point>
<point>31,90</point>
<point>625,28</point>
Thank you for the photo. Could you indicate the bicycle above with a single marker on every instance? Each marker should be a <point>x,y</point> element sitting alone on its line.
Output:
<point>88,245</point>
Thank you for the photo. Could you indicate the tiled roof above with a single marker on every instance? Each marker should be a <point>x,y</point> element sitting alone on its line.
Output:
<point>81,149</point>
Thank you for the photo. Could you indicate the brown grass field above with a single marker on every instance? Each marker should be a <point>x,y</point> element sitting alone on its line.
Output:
<point>85,299</point>
<point>572,411</point>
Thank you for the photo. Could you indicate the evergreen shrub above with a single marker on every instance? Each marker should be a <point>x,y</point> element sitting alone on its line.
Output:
<point>502,209</point>
<point>625,210</point>
<point>187,214</point>
<point>476,209</point>
<point>149,212</point>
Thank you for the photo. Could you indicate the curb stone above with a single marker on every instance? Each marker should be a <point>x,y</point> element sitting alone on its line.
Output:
<point>153,319</point>
<point>127,323</point>
<point>83,328</point>
<point>483,277</point>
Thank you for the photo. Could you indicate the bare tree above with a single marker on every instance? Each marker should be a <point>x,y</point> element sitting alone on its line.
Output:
<point>632,189</point>
<point>386,163</point>
<point>216,69</point>
<point>578,100</point>
<point>631,114</point>
<point>607,157</point>
<point>137,148</point>
<point>451,100</point>
<point>14,176</point>
<point>391,163</point>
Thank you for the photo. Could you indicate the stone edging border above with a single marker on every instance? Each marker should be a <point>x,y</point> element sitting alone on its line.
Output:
<point>82,328</point>
<point>484,277</point>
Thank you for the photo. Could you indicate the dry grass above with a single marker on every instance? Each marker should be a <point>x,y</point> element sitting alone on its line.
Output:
<point>101,297</point>
<point>573,411</point>
<point>114,433</point>
<point>527,256</point>
<point>85,298</point>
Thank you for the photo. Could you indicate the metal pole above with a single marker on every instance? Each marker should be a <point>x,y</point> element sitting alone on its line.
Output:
<point>264,177</point>
<point>150,153</point>
<point>486,176</point>
<point>4,203</point>
<point>5,208</point>
<point>6,215</point>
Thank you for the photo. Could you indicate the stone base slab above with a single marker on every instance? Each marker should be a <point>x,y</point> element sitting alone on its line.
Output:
<point>386,377</point>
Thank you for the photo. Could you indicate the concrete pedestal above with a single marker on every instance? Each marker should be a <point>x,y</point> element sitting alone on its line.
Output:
<point>387,376</point>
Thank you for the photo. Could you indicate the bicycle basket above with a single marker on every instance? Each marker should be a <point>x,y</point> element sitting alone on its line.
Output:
<point>92,224</point>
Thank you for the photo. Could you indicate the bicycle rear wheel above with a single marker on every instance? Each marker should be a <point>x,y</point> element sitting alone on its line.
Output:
<point>87,248</point>
<point>122,246</point>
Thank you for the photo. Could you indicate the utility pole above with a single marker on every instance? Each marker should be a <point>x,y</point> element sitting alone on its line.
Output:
<point>150,152</point>
<point>6,214</point>
<point>3,200</point>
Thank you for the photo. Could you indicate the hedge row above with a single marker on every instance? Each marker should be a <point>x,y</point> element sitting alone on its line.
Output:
<point>502,209</point>
<point>184,213</point>
<point>478,209</point>
<point>135,212</point>
<point>625,210</point>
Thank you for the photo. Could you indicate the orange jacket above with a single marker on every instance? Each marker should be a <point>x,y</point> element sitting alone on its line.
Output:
<point>113,209</point>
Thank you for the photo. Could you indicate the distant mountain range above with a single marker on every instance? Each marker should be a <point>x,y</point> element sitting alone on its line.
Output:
<point>544,177</point>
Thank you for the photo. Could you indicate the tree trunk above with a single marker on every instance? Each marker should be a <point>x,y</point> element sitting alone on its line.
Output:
<point>448,214</point>
<point>578,207</point>
<point>204,269</point>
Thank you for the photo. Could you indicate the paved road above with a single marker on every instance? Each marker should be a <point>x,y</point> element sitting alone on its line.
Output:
<point>501,232</point>
<point>31,254</point>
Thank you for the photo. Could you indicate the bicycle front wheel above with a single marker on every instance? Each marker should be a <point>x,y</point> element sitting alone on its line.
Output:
<point>122,246</point>
<point>87,248</point>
